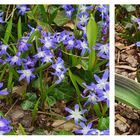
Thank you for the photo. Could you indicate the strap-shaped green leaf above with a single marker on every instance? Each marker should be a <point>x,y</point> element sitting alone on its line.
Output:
<point>92,31</point>
<point>127,91</point>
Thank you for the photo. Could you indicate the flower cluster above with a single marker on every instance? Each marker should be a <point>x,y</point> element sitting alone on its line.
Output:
<point>4,126</point>
<point>98,91</point>
<point>45,48</point>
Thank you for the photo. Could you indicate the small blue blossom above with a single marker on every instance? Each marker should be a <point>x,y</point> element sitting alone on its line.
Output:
<point>138,44</point>
<point>104,10</point>
<point>27,73</point>
<point>98,132</point>
<point>47,58</point>
<point>23,45</point>
<point>90,87</point>
<point>69,10</point>
<point>48,41</point>
<point>15,59</point>
<point>3,49</point>
<point>59,70</point>
<point>40,54</point>
<point>83,45</point>
<point>104,95</point>
<point>1,17</point>
<point>103,50</point>
<point>83,19</point>
<point>92,99</point>
<point>102,82</point>
<point>22,9</point>
<point>70,42</point>
<point>3,92</point>
<point>76,114</point>
<point>85,129</point>
<point>28,62</point>
<point>4,126</point>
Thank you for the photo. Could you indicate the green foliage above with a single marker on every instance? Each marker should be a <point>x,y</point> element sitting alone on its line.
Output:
<point>92,32</point>
<point>127,91</point>
<point>103,123</point>
<point>30,102</point>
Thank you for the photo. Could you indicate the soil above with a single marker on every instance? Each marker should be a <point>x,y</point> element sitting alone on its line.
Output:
<point>127,61</point>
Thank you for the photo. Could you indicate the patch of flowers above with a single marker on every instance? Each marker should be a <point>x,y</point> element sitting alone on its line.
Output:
<point>44,54</point>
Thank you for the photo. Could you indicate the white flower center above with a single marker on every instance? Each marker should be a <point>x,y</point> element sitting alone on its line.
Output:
<point>23,8</point>
<point>104,48</point>
<point>2,124</point>
<point>106,94</point>
<point>70,42</point>
<point>47,43</point>
<point>84,45</point>
<point>83,19</point>
<point>76,114</point>
<point>83,8</point>
<point>15,59</point>
<point>3,47</point>
<point>85,130</point>
<point>41,54</point>
<point>27,72</point>
<point>102,84</point>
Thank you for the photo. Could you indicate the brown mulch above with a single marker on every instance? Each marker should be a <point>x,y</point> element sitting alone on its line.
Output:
<point>127,60</point>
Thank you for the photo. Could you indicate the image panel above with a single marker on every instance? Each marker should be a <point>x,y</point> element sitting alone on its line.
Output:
<point>127,69</point>
<point>54,69</point>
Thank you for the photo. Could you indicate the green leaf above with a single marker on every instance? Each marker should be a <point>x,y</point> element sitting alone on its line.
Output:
<point>60,92</point>
<point>19,28</point>
<point>129,8</point>
<point>35,110</point>
<point>92,32</point>
<point>8,31</point>
<point>51,100</point>
<point>61,18</point>
<point>31,96</point>
<point>64,132</point>
<point>127,91</point>
<point>27,105</point>
<point>103,123</point>
<point>97,110</point>
<point>73,80</point>
<point>22,130</point>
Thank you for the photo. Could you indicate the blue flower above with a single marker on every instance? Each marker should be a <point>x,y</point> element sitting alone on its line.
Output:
<point>83,18</point>
<point>4,126</point>
<point>85,129</point>
<point>92,98</point>
<point>138,44</point>
<point>103,50</point>
<point>3,49</point>
<point>104,11</point>
<point>69,10</point>
<point>40,54</point>
<point>1,17</point>
<point>47,58</point>
<point>27,73</point>
<point>48,41</point>
<point>60,70</point>
<point>90,87</point>
<point>3,92</point>
<point>76,114</point>
<point>22,9</point>
<point>15,59</point>
<point>83,45</point>
<point>98,132</point>
<point>28,62</point>
<point>70,42</point>
<point>104,94</point>
<point>102,82</point>
<point>23,45</point>
<point>83,8</point>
